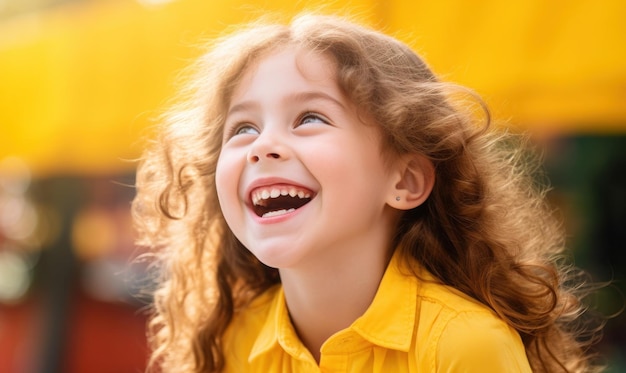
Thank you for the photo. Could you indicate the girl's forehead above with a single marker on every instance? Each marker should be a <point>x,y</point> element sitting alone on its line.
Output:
<point>311,65</point>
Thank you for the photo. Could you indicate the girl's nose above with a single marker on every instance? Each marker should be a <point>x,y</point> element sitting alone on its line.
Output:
<point>267,147</point>
<point>254,158</point>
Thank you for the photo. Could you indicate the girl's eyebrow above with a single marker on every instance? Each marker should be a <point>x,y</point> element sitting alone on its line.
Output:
<point>314,95</point>
<point>242,106</point>
<point>297,97</point>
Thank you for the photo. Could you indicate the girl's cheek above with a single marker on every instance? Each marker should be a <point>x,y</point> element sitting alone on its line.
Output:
<point>227,174</point>
<point>220,177</point>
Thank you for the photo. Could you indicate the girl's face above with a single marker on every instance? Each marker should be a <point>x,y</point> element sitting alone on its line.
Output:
<point>300,177</point>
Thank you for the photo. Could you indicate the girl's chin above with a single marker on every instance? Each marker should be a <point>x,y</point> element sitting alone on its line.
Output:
<point>283,255</point>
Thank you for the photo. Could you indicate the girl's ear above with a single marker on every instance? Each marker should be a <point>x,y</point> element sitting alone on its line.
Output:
<point>413,181</point>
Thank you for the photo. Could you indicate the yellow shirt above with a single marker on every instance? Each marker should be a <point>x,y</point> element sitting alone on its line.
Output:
<point>411,326</point>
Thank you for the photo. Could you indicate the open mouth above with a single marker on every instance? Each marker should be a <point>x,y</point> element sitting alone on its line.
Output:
<point>275,201</point>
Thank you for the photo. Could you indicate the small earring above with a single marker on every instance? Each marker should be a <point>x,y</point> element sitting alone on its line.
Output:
<point>397,198</point>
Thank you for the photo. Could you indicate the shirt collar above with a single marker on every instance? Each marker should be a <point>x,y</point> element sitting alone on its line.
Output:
<point>278,330</point>
<point>390,319</point>
<point>388,322</point>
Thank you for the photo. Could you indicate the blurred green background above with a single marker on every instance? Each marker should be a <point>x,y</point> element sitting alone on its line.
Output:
<point>82,81</point>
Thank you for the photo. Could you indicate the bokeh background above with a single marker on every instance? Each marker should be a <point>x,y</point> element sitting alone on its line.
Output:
<point>82,82</point>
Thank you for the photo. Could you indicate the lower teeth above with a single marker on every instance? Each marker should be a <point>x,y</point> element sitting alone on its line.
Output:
<point>277,213</point>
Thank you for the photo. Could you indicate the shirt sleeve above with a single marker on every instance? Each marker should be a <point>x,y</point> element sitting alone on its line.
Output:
<point>473,342</point>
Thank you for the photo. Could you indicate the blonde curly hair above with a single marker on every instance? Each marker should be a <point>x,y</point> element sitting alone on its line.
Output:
<point>485,230</point>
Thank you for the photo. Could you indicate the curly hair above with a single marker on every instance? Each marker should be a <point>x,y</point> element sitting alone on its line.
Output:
<point>485,229</point>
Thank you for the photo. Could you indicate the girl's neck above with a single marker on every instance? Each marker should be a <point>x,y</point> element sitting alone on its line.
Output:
<point>328,296</point>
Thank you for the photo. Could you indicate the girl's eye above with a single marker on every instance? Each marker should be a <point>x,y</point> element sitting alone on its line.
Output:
<point>312,118</point>
<point>242,129</point>
<point>246,130</point>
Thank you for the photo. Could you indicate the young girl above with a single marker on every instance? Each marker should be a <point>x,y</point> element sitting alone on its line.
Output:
<point>319,202</point>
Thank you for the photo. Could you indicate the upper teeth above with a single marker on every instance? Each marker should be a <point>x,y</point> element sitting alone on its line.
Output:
<point>275,192</point>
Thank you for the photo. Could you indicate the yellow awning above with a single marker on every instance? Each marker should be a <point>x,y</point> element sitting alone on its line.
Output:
<point>81,84</point>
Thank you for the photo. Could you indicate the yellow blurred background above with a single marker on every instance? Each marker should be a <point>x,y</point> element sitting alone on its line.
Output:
<point>82,82</point>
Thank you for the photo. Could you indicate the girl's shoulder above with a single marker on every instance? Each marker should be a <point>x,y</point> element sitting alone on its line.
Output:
<point>450,299</point>
<point>461,331</point>
<point>445,305</point>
